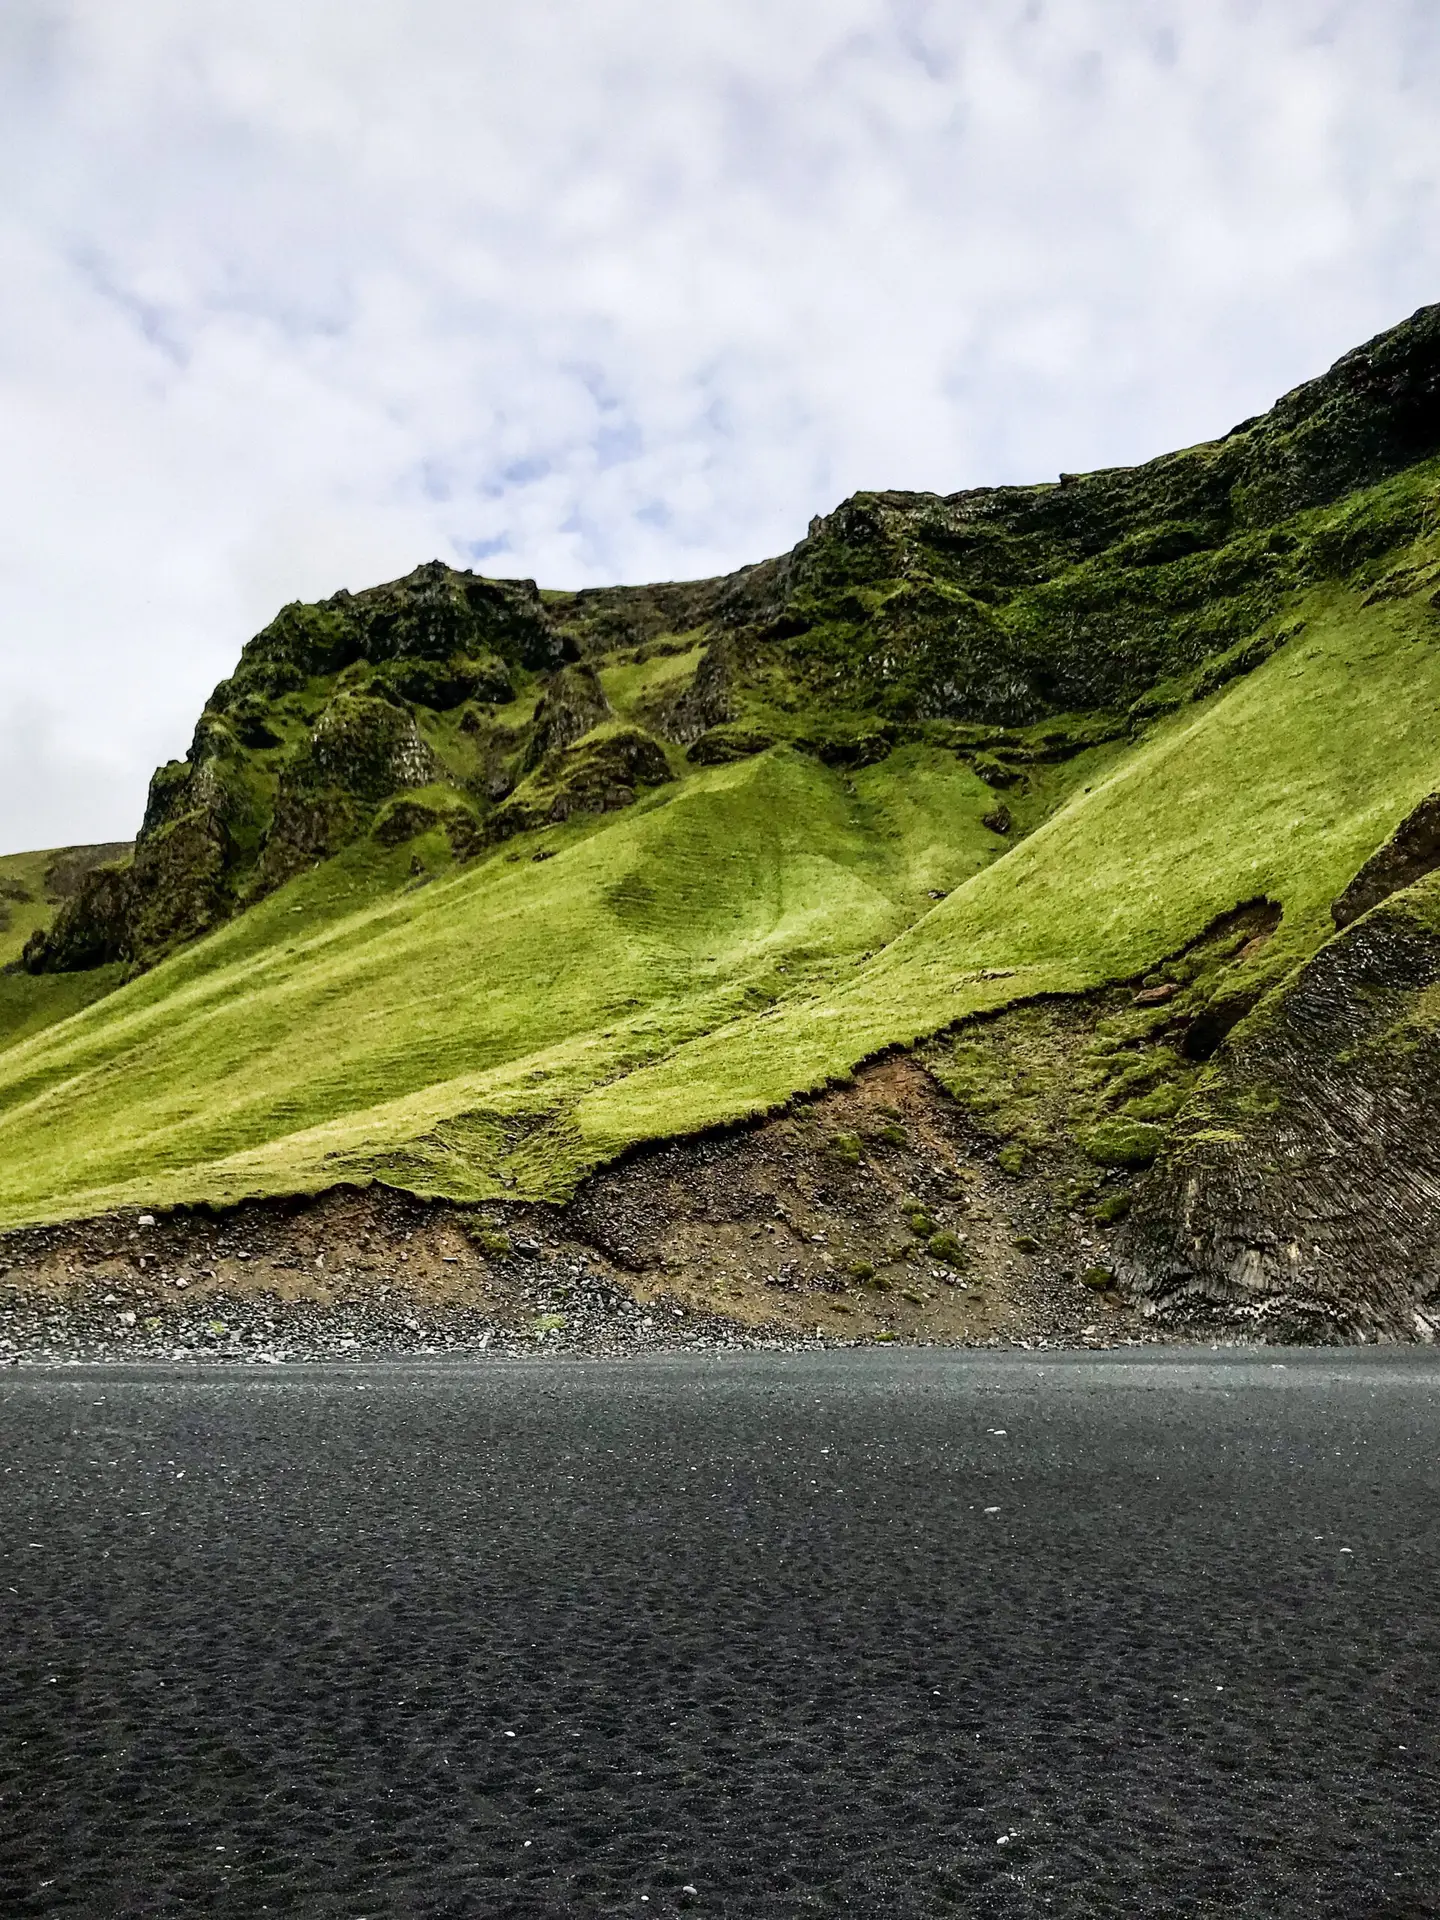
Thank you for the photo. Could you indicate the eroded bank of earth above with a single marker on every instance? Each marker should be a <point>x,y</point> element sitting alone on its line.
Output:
<point>877,1212</point>
<point>972,1193</point>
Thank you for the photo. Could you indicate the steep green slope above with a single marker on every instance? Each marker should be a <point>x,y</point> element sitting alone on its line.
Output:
<point>468,888</point>
<point>508,1025</point>
<point>760,878</point>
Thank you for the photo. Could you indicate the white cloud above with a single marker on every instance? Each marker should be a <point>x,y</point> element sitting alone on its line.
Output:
<point>605,289</point>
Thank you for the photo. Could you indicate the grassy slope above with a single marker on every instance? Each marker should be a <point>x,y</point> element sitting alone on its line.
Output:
<point>24,903</point>
<point>709,952</point>
<point>1279,787</point>
<point>642,930</point>
<point>29,1003</point>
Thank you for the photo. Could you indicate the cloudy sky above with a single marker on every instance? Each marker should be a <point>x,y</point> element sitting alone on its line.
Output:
<point>297,293</point>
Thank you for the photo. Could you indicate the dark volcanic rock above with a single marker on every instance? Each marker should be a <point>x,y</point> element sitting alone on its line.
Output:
<point>1301,1189</point>
<point>1412,851</point>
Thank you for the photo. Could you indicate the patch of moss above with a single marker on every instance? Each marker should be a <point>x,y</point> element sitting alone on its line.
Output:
<point>1113,1207</point>
<point>488,1238</point>
<point>1121,1143</point>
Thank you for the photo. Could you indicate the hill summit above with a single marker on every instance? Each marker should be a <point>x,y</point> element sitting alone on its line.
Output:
<point>1105,805</point>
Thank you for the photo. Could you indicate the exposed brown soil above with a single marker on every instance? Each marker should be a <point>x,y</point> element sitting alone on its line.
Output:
<point>780,1223</point>
<point>873,1212</point>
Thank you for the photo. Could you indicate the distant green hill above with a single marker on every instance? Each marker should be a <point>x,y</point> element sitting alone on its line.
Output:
<point>469,887</point>
<point>34,887</point>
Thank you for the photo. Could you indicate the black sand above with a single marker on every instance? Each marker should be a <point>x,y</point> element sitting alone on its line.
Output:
<point>727,1635</point>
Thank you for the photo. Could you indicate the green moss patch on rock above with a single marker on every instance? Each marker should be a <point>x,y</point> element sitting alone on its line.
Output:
<point>600,773</point>
<point>1121,1142</point>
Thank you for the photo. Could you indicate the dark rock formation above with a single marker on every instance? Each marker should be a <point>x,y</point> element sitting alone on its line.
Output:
<point>572,703</point>
<point>600,774</point>
<point>1412,851</point>
<point>1300,1193</point>
<point>434,614</point>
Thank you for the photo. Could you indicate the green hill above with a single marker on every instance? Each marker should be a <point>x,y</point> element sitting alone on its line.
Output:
<point>468,888</point>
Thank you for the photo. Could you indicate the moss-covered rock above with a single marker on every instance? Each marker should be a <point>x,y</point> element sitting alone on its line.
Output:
<point>432,811</point>
<point>1121,1142</point>
<point>445,683</point>
<point>721,745</point>
<point>435,614</point>
<point>601,773</point>
<point>92,929</point>
<point>363,750</point>
<point>706,702</point>
<point>572,704</point>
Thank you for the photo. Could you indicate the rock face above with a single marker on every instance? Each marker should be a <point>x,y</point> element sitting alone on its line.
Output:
<point>705,702</point>
<point>323,721</point>
<point>572,703</point>
<point>599,775</point>
<point>363,751</point>
<point>1300,1193</point>
<point>1412,851</point>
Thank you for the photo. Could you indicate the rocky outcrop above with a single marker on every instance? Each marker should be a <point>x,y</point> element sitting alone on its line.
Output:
<point>442,684</point>
<point>436,614</point>
<point>1300,1192</point>
<point>600,774</point>
<point>363,751</point>
<point>706,701</point>
<point>91,930</point>
<point>572,704</point>
<point>1412,851</point>
<point>174,887</point>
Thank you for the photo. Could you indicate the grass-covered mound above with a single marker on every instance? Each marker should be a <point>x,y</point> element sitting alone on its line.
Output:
<point>468,887</point>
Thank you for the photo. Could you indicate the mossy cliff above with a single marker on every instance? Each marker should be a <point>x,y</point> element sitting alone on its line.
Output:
<point>969,619</point>
<point>1079,788</point>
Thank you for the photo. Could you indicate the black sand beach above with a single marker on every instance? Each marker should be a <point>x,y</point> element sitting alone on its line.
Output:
<point>870,1633</point>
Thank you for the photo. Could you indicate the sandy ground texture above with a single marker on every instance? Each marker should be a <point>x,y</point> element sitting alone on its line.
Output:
<point>784,1234</point>
<point>896,1633</point>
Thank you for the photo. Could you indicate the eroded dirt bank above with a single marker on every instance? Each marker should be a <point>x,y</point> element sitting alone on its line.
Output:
<point>877,1211</point>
